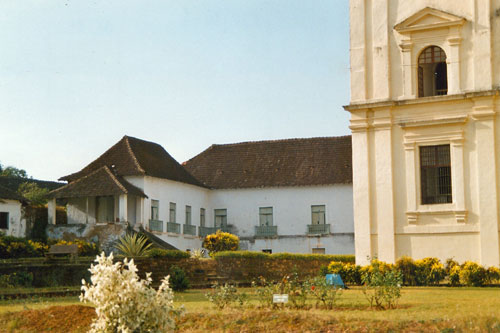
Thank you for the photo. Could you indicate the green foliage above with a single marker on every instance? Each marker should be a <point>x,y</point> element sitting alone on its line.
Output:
<point>265,290</point>
<point>493,274</point>
<point>450,263</point>
<point>35,194</point>
<point>13,172</point>
<point>221,241</point>
<point>14,247</point>
<point>17,279</point>
<point>324,293</point>
<point>134,245</point>
<point>454,275</point>
<point>162,253</point>
<point>408,269</point>
<point>297,291</point>
<point>472,274</point>
<point>225,295</point>
<point>178,279</point>
<point>284,255</point>
<point>382,287</point>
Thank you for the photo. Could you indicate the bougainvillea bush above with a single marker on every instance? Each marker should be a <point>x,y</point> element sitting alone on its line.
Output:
<point>124,302</point>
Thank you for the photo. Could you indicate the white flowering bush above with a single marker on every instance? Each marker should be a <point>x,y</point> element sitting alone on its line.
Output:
<point>124,302</point>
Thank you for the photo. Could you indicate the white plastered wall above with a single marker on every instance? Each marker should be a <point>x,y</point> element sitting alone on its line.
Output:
<point>17,224</point>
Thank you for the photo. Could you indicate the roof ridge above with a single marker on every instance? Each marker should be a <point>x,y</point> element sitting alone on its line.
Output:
<point>115,179</point>
<point>278,140</point>
<point>79,179</point>
<point>136,161</point>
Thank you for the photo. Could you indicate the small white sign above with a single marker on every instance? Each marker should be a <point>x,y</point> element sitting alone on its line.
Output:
<point>280,298</point>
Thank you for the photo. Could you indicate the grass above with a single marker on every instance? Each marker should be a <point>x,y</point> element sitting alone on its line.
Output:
<point>420,309</point>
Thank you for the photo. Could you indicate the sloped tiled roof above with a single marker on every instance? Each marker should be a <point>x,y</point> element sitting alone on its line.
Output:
<point>7,194</point>
<point>292,162</point>
<point>136,157</point>
<point>101,182</point>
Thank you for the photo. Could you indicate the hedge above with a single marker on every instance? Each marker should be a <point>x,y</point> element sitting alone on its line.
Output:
<point>284,255</point>
<point>161,253</point>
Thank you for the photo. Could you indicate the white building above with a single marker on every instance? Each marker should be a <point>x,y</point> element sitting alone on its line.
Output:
<point>425,87</point>
<point>12,222</point>
<point>278,196</point>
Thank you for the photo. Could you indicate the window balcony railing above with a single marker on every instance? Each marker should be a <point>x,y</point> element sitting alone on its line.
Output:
<point>188,229</point>
<point>318,229</point>
<point>156,225</point>
<point>227,228</point>
<point>203,231</point>
<point>266,230</point>
<point>173,227</point>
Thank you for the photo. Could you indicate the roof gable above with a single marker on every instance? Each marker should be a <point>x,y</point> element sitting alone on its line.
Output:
<point>101,182</point>
<point>292,162</point>
<point>134,157</point>
<point>428,18</point>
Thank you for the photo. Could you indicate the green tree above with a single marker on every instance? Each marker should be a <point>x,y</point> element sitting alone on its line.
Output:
<point>13,172</point>
<point>35,194</point>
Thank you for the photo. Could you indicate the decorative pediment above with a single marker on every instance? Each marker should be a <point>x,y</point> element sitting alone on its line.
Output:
<point>427,19</point>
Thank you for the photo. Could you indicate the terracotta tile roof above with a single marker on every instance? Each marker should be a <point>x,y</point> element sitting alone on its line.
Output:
<point>135,157</point>
<point>292,162</point>
<point>101,182</point>
<point>7,194</point>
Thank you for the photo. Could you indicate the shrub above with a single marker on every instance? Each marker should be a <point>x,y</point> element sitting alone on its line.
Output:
<point>324,293</point>
<point>178,279</point>
<point>85,249</point>
<point>454,275</point>
<point>221,241</point>
<point>225,295</point>
<point>450,263</point>
<point>134,245</point>
<point>197,253</point>
<point>162,253</point>
<point>493,274</point>
<point>408,269</point>
<point>15,247</point>
<point>382,287</point>
<point>125,303</point>
<point>17,279</point>
<point>284,255</point>
<point>265,289</point>
<point>471,274</point>
<point>425,275</point>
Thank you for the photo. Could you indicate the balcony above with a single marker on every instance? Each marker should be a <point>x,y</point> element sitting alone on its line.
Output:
<point>318,229</point>
<point>188,229</point>
<point>156,225</point>
<point>173,227</point>
<point>203,231</point>
<point>227,228</point>
<point>266,230</point>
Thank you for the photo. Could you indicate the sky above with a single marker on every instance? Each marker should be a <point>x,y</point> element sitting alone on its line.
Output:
<point>76,76</point>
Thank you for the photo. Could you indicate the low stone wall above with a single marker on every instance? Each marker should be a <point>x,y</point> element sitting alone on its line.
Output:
<point>201,272</point>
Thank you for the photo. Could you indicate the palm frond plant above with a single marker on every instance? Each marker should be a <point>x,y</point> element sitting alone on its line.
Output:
<point>134,245</point>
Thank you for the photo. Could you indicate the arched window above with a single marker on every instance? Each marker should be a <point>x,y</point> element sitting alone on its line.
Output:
<point>432,73</point>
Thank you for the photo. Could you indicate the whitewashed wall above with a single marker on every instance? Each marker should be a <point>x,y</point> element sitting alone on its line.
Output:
<point>77,210</point>
<point>291,214</point>
<point>17,225</point>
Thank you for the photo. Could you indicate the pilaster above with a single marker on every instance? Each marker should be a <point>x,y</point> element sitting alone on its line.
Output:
<point>51,209</point>
<point>123,208</point>
<point>484,117</point>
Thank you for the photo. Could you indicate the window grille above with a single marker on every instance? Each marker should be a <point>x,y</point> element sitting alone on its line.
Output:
<point>435,174</point>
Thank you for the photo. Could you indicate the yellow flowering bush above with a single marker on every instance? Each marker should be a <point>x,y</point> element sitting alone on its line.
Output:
<point>221,241</point>
<point>84,248</point>
<point>125,303</point>
<point>472,274</point>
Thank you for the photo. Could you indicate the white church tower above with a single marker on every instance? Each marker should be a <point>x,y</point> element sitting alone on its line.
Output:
<point>425,93</point>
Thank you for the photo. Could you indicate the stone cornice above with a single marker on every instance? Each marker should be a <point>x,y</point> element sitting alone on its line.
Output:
<point>422,100</point>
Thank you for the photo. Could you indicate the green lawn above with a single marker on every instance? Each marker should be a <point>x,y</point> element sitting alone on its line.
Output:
<point>420,308</point>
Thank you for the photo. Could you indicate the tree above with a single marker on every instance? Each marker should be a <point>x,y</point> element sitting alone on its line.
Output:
<point>35,194</point>
<point>13,172</point>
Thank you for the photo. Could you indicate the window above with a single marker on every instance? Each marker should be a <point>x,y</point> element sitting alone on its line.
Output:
<point>188,214</point>
<point>435,174</point>
<point>318,250</point>
<point>220,218</point>
<point>171,217</point>
<point>155,210</point>
<point>4,220</point>
<point>318,214</point>
<point>432,72</point>
<point>266,216</point>
<point>202,217</point>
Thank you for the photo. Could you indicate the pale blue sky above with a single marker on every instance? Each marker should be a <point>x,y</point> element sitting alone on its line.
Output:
<point>75,76</point>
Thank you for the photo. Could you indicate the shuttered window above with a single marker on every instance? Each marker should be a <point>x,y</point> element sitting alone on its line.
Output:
<point>266,216</point>
<point>435,174</point>
<point>318,214</point>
